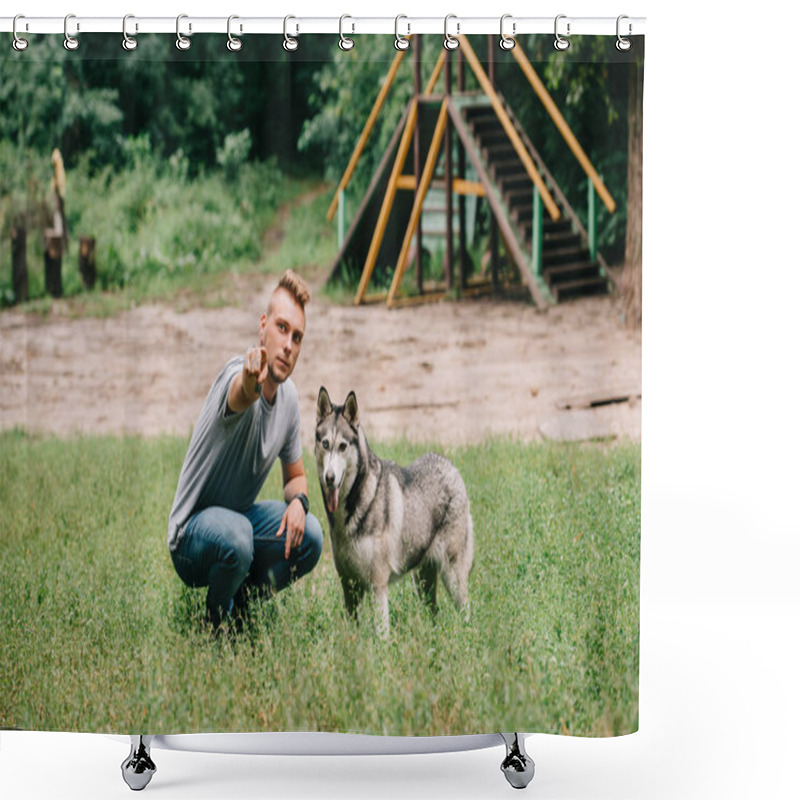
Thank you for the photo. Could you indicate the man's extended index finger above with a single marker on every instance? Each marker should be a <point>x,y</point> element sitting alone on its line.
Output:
<point>262,376</point>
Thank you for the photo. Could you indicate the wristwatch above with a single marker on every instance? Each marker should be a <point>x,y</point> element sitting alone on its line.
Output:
<point>303,501</point>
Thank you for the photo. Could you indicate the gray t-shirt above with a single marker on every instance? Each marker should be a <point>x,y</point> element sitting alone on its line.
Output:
<point>230,454</point>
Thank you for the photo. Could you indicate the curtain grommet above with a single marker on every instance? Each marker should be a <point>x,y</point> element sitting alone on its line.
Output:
<point>19,44</point>
<point>401,42</point>
<point>290,44</point>
<point>233,44</point>
<point>623,44</point>
<point>70,42</point>
<point>560,43</point>
<point>507,42</point>
<point>182,42</point>
<point>451,42</point>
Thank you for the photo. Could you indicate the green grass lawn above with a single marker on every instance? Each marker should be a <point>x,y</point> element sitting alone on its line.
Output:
<point>99,634</point>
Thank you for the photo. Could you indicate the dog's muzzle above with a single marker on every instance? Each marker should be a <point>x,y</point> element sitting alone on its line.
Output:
<point>331,492</point>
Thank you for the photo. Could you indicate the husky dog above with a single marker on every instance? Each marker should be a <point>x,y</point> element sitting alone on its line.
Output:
<point>385,519</point>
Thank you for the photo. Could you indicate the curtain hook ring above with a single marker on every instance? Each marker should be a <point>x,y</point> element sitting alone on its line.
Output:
<point>182,42</point>
<point>290,44</point>
<point>233,44</point>
<point>70,42</point>
<point>345,42</point>
<point>507,42</point>
<point>128,42</point>
<point>401,42</point>
<point>623,44</point>
<point>560,42</point>
<point>19,44</point>
<point>451,42</point>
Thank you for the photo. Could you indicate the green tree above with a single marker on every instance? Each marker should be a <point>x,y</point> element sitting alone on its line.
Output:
<point>343,93</point>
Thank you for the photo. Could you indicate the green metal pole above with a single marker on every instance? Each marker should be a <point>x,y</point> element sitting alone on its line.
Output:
<point>592,221</point>
<point>537,233</point>
<point>340,219</point>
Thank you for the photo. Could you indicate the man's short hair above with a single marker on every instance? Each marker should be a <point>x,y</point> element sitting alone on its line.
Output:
<point>297,288</point>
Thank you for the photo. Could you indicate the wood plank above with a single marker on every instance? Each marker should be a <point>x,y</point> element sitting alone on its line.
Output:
<point>408,182</point>
<point>388,201</point>
<point>417,299</point>
<point>603,397</point>
<point>419,199</point>
<point>366,201</point>
<point>462,186</point>
<point>437,69</point>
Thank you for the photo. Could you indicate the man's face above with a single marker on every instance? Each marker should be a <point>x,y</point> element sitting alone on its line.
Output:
<point>282,329</point>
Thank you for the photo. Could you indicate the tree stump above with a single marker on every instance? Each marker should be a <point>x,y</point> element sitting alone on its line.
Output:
<point>19,261</point>
<point>86,262</point>
<point>52,264</point>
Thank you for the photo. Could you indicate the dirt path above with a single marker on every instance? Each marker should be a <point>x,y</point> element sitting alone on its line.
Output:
<point>450,372</point>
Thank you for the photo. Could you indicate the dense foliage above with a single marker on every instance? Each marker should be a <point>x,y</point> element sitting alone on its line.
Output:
<point>176,161</point>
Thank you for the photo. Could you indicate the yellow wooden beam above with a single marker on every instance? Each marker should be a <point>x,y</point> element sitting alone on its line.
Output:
<point>461,186</point>
<point>437,69</point>
<point>388,200</point>
<point>370,124</point>
<point>430,297</point>
<point>407,182</point>
<point>569,137</point>
<point>419,199</point>
<point>508,127</point>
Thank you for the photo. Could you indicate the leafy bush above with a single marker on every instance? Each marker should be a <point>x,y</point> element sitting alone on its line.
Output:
<point>234,153</point>
<point>155,223</point>
<point>151,222</point>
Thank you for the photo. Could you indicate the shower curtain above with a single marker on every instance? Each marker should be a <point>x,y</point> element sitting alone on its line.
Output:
<point>467,222</point>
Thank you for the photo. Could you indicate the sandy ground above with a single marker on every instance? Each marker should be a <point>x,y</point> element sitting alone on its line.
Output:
<point>452,372</point>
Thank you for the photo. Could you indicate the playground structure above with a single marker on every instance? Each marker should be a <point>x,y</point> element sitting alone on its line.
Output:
<point>554,255</point>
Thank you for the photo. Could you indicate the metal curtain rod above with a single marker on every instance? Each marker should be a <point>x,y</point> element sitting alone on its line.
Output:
<point>572,26</point>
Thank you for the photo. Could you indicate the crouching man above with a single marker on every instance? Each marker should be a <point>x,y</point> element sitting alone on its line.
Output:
<point>219,536</point>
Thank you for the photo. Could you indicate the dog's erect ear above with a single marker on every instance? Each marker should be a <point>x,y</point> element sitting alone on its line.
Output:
<point>350,412</point>
<point>323,403</point>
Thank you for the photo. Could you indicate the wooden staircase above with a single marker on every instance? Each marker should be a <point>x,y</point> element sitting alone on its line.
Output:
<point>567,267</point>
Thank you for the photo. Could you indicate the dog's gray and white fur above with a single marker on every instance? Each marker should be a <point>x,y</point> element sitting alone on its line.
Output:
<point>386,519</point>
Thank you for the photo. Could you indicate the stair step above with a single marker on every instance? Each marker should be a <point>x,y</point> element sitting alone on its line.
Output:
<point>515,183</point>
<point>580,288</point>
<point>556,256</point>
<point>487,136</point>
<point>481,116</point>
<point>521,193</point>
<point>431,209</point>
<point>436,233</point>
<point>483,133</point>
<point>554,231</point>
<point>575,270</point>
<point>510,166</point>
<point>498,149</point>
<point>499,152</point>
<point>566,263</point>
<point>562,238</point>
<point>557,242</point>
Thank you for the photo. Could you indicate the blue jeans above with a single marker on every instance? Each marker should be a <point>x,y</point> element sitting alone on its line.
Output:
<point>229,551</point>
